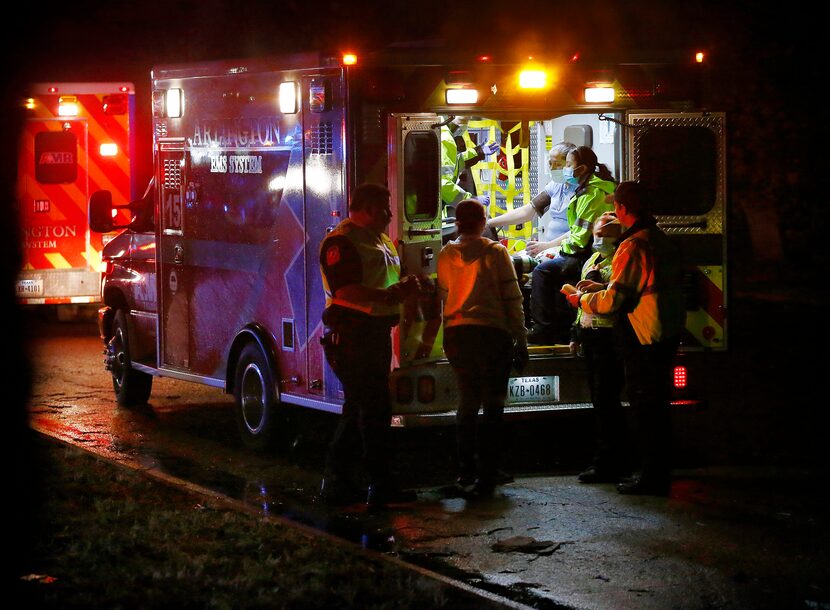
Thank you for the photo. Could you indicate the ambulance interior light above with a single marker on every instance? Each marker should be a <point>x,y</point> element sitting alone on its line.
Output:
<point>288,97</point>
<point>174,103</point>
<point>462,96</point>
<point>599,94</point>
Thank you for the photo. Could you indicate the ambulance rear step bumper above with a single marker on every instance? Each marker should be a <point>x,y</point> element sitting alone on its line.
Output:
<point>520,412</point>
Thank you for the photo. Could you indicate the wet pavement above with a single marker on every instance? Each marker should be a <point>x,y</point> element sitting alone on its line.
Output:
<point>727,537</point>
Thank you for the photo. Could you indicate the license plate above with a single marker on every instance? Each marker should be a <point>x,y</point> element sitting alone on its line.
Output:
<point>29,288</point>
<point>533,390</point>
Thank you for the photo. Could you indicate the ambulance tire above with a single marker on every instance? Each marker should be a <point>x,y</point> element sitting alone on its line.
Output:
<point>132,387</point>
<point>256,400</point>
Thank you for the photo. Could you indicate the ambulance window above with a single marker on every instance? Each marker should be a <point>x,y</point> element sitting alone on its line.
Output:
<point>679,168</point>
<point>56,157</point>
<point>421,160</point>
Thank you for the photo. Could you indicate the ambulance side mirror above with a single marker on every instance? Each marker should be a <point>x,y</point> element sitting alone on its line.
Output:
<point>100,212</point>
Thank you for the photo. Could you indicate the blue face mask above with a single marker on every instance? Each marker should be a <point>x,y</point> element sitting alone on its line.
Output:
<point>568,173</point>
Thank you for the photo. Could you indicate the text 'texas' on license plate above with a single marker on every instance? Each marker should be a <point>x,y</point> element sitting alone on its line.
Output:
<point>533,389</point>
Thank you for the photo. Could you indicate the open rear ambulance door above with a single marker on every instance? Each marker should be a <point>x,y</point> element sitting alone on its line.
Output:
<point>414,181</point>
<point>679,157</point>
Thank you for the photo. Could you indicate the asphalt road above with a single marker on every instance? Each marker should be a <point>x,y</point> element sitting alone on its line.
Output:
<point>745,525</point>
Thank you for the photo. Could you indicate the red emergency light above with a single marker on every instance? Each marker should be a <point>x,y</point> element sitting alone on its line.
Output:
<point>681,379</point>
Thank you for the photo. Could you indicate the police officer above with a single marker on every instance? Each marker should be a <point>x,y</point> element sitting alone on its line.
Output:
<point>361,278</point>
<point>645,284</point>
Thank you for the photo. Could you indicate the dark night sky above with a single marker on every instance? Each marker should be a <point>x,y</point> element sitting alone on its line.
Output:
<point>759,56</point>
<point>104,38</point>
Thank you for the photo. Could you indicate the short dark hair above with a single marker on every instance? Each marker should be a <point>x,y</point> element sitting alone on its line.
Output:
<point>632,196</point>
<point>469,214</point>
<point>369,195</point>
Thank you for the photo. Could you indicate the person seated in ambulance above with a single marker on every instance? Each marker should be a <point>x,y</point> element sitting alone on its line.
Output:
<point>453,163</point>
<point>554,198</point>
<point>594,184</point>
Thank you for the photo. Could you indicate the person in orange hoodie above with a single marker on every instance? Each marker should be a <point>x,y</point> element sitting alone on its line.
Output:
<point>484,332</point>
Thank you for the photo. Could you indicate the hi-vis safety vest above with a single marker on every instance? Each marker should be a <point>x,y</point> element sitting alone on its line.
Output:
<point>452,164</point>
<point>584,318</point>
<point>380,267</point>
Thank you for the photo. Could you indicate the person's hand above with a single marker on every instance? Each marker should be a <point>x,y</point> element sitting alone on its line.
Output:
<point>573,346</point>
<point>535,248</point>
<point>520,357</point>
<point>425,285</point>
<point>483,200</point>
<point>573,299</point>
<point>489,148</point>
<point>589,286</point>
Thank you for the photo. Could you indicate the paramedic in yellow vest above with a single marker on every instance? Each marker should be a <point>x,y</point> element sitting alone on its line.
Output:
<point>361,277</point>
<point>594,183</point>
<point>594,336</point>
<point>645,289</point>
<point>453,163</point>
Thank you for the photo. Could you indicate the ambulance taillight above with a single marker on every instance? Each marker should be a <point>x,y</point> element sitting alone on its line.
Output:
<point>426,389</point>
<point>681,378</point>
<point>115,104</point>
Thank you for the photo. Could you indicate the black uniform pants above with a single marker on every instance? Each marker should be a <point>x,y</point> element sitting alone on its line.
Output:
<point>359,352</point>
<point>480,357</point>
<point>648,379</point>
<point>604,366</point>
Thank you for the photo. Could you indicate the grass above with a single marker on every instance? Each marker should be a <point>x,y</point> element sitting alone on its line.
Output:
<point>102,536</point>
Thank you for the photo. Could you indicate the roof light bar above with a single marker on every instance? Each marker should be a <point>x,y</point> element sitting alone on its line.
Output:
<point>533,79</point>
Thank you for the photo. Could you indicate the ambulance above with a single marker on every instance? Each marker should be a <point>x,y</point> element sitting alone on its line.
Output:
<point>216,279</point>
<point>76,139</point>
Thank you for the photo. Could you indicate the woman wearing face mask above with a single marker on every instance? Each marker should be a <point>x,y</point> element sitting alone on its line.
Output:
<point>594,334</point>
<point>594,184</point>
<point>554,198</point>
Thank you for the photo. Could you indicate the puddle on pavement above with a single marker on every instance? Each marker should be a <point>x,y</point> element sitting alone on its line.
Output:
<point>369,530</point>
<point>351,526</point>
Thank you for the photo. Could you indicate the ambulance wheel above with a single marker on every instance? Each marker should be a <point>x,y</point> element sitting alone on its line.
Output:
<point>131,387</point>
<point>256,400</point>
